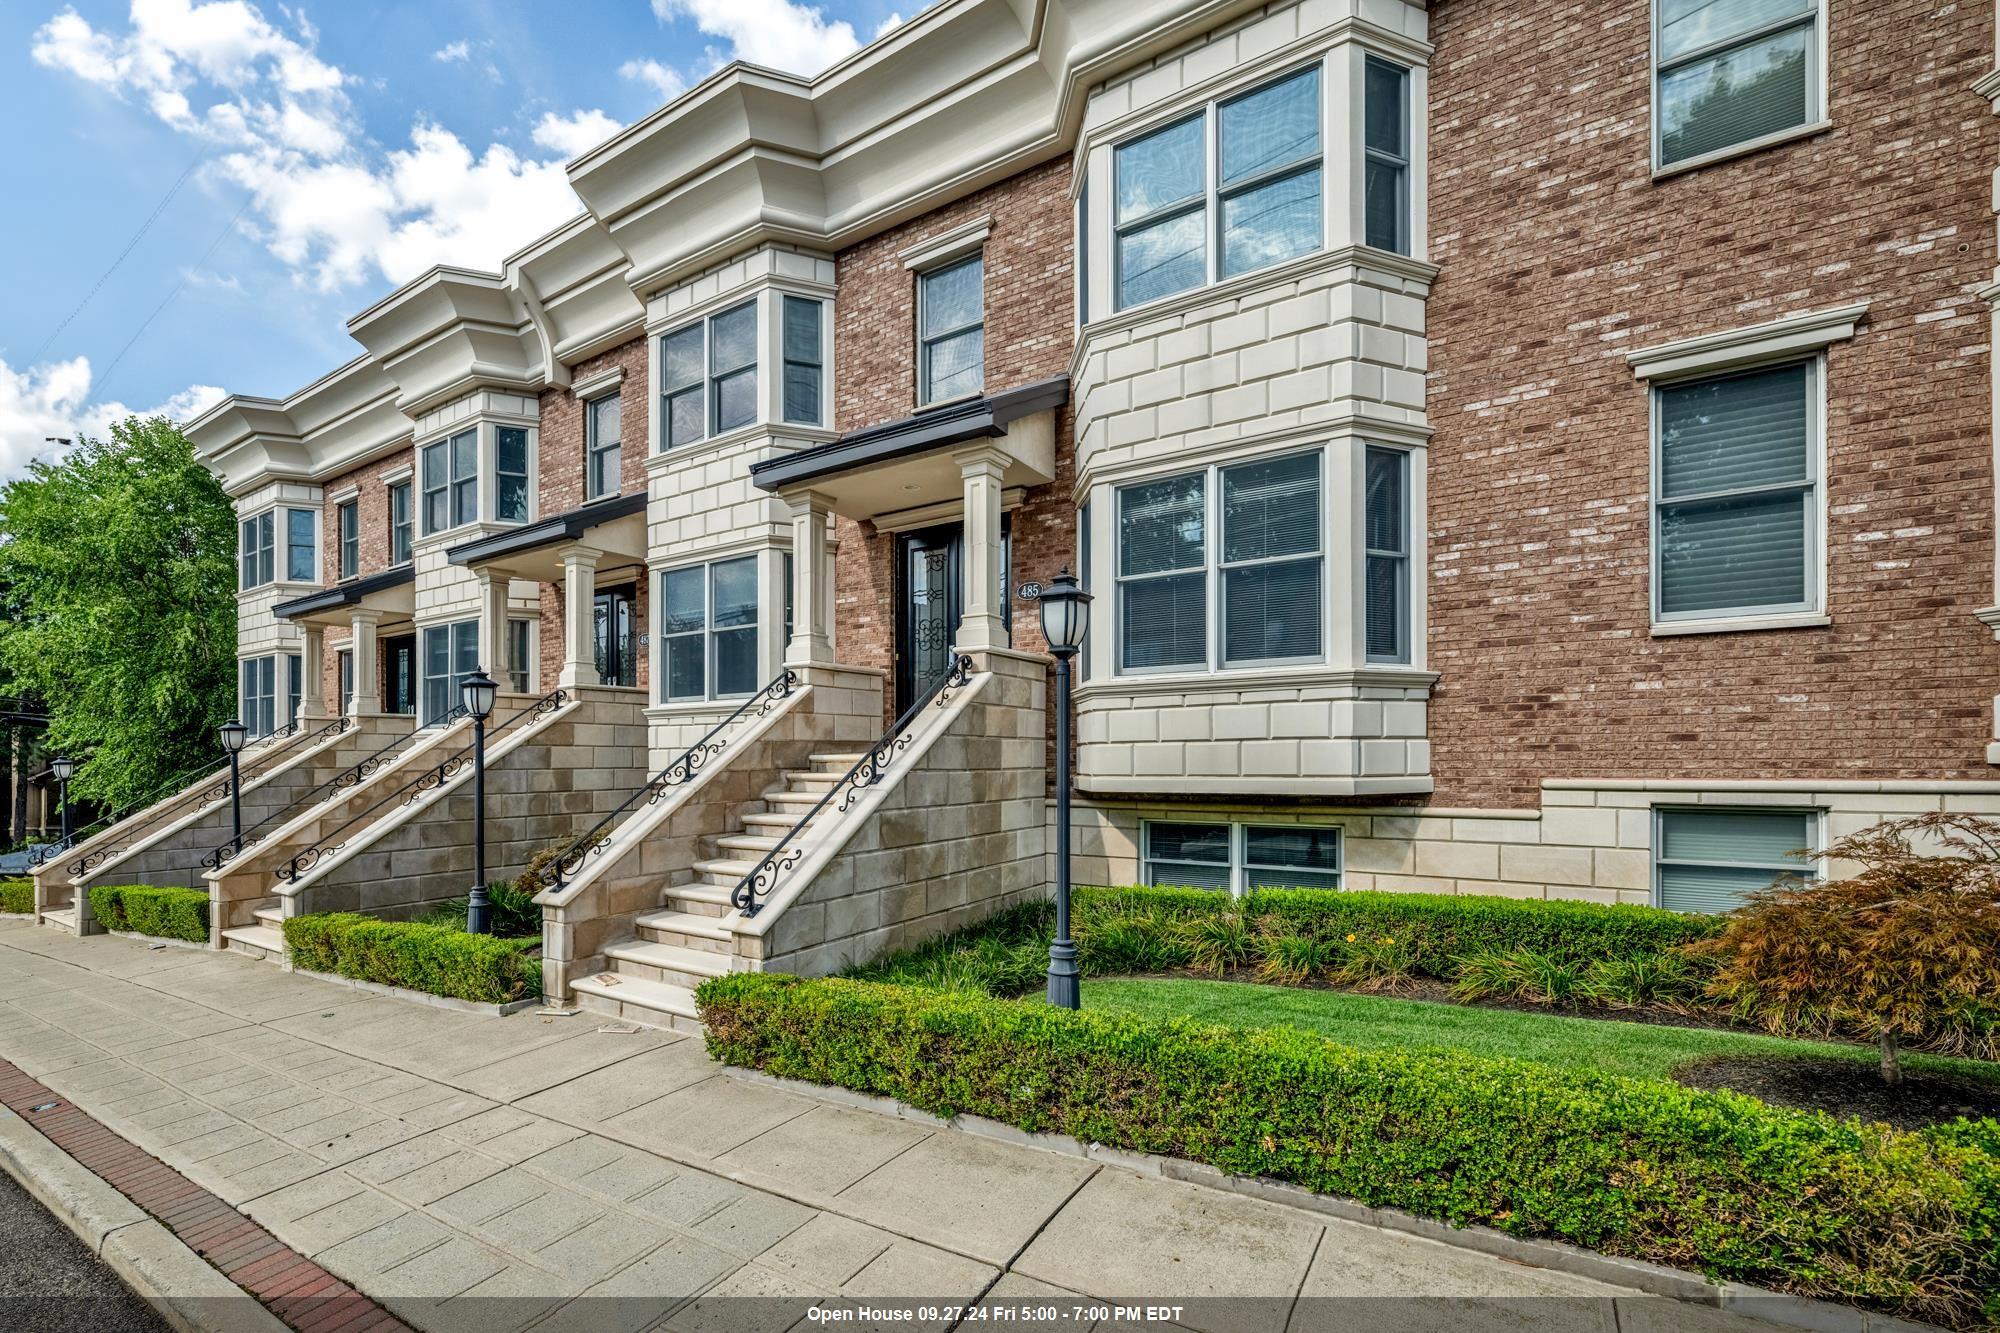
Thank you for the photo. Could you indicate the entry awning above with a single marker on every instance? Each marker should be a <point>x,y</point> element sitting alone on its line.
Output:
<point>907,463</point>
<point>392,592</point>
<point>615,525</point>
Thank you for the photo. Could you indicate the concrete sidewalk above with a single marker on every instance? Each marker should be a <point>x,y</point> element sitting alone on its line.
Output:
<point>435,1160</point>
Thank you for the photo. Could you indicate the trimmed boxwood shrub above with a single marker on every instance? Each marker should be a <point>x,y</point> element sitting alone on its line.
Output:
<point>17,895</point>
<point>164,912</point>
<point>1746,1192</point>
<point>437,960</point>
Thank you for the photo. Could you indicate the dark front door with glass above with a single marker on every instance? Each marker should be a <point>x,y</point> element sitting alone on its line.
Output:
<point>930,602</point>
<point>399,674</point>
<point>617,636</point>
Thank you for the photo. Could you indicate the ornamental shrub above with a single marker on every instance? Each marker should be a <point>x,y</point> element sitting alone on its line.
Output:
<point>164,912</point>
<point>17,895</point>
<point>1743,1191</point>
<point>437,960</point>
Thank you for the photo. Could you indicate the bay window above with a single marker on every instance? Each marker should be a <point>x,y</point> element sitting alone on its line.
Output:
<point>510,472</point>
<point>1268,153</point>
<point>951,324</point>
<point>258,557</point>
<point>451,653</point>
<point>301,553</point>
<point>451,482</point>
<point>1271,564</point>
<point>1733,73</point>
<point>1386,517</point>
<point>254,550</point>
<point>258,702</point>
<point>449,475</point>
<point>708,631</point>
<point>1386,148</point>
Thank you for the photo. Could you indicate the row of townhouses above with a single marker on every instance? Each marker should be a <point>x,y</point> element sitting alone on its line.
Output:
<point>1540,450</point>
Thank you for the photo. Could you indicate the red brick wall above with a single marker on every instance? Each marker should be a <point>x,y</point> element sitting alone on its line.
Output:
<point>1029,335</point>
<point>373,502</point>
<point>1559,253</point>
<point>560,478</point>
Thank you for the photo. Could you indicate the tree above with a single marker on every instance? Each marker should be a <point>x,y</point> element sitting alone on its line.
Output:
<point>117,585</point>
<point>1908,948</point>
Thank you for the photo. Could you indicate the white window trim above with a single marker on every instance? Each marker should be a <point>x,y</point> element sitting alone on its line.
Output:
<point>1816,81</point>
<point>1239,842</point>
<point>1735,620</point>
<point>389,489</point>
<point>486,471</point>
<point>767,290</point>
<point>341,509</point>
<point>281,545</point>
<point>660,635</point>
<point>942,249</point>
<point>598,384</point>
<point>422,633</point>
<point>1734,349</point>
<point>590,445</point>
<point>923,347</point>
<point>1816,829</point>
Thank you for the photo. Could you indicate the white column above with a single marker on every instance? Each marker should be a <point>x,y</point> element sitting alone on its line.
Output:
<point>579,604</point>
<point>811,645</point>
<point>367,689</point>
<point>493,626</point>
<point>312,670</point>
<point>984,472</point>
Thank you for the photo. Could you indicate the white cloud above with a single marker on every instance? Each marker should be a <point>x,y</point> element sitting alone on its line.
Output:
<point>333,206</point>
<point>666,83</point>
<point>893,21</point>
<point>576,133</point>
<point>784,35</point>
<point>453,51</point>
<point>53,399</point>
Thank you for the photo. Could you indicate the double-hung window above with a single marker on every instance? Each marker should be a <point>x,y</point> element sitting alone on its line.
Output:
<point>601,447</point>
<point>510,474</point>
<point>519,634</point>
<point>1238,858</point>
<point>1386,148</point>
<point>345,660</point>
<point>708,376</point>
<point>1161,197</point>
<point>255,550</point>
<point>708,629</point>
<point>1708,860</point>
<point>1265,575</point>
<point>805,361</point>
<point>451,653</point>
<point>301,532</point>
<point>1736,494</point>
<point>1386,518</point>
<point>260,695</point>
<point>451,482</point>
<point>400,523</point>
<point>350,538</point>
<point>951,344</point>
<point>1731,73</point>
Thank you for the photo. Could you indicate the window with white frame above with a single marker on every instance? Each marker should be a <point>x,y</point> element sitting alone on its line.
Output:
<point>301,550</point>
<point>1259,177</point>
<point>451,482</point>
<point>1736,510</point>
<point>1264,575</point>
<point>520,656</point>
<point>1733,72</point>
<point>708,376</point>
<point>510,473</point>
<point>350,538</point>
<point>601,446</point>
<point>1385,514</point>
<point>951,330</point>
<point>345,660</point>
<point>1386,148</point>
<point>258,698</point>
<point>708,631</point>
<point>805,360</point>
<point>1710,859</point>
<point>401,523</point>
<point>254,550</point>
<point>1241,857</point>
<point>450,654</point>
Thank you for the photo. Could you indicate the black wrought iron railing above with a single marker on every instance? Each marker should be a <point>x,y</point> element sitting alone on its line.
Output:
<point>351,776</point>
<point>433,777</point>
<point>763,879</point>
<point>49,851</point>
<point>681,771</point>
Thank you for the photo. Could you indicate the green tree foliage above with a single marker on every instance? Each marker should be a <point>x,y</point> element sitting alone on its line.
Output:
<point>117,565</point>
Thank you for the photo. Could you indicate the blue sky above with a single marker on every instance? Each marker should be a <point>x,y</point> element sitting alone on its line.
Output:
<point>298,161</point>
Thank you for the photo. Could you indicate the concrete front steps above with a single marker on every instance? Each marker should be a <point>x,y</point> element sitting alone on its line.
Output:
<point>651,977</point>
<point>265,940</point>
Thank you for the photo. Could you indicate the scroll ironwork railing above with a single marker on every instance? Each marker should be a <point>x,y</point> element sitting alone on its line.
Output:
<point>678,773</point>
<point>433,777</point>
<point>763,879</point>
<point>351,776</point>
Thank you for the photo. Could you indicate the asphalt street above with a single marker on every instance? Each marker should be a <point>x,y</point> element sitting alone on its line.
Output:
<point>51,1283</point>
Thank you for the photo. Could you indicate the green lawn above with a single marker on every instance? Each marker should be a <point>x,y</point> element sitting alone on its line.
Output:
<point>1642,1049</point>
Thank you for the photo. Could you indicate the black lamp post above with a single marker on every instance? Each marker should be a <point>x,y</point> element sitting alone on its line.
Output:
<point>1065,620</point>
<point>64,768</point>
<point>234,735</point>
<point>478,691</point>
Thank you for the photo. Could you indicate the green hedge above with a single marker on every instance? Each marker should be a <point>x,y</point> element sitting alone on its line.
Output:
<point>1796,1201</point>
<point>17,895</point>
<point>163,912</point>
<point>1148,929</point>
<point>437,960</point>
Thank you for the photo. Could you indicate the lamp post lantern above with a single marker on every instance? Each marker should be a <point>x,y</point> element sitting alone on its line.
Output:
<point>234,735</point>
<point>1065,620</point>
<point>64,768</point>
<point>478,691</point>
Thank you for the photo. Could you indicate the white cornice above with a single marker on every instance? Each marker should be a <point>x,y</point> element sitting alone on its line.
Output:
<point>1711,352</point>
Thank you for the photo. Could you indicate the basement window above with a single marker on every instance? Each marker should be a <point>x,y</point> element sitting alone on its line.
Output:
<point>1238,858</point>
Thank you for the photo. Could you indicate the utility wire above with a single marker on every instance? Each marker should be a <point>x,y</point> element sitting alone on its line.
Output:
<point>137,333</point>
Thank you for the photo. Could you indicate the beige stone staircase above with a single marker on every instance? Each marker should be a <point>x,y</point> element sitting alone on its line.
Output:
<point>265,940</point>
<point>651,976</point>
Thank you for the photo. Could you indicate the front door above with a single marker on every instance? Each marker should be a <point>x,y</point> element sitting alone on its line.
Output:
<point>930,602</point>
<point>399,674</point>
<point>617,638</point>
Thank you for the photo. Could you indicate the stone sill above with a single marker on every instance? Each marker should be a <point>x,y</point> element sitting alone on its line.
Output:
<point>1252,679</point>
<point>1120,785</point>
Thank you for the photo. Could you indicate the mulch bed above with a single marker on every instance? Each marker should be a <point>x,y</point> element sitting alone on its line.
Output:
<point>1844,1088</point>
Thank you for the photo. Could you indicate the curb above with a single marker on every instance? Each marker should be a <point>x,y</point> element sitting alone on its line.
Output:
<point>174,1280</point>
<point>1557,1256</point>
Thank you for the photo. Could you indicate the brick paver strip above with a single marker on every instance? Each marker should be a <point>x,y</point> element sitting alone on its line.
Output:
<point>293,1287</point>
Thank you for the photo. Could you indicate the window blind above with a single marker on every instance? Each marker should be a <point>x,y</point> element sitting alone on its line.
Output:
<point>1739,93</point>
<point>1270,510</point>
<point>1710,859</point>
